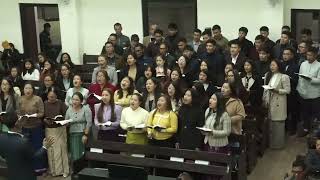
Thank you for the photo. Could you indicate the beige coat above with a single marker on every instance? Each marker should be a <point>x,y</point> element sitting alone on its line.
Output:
<point>235,110</point>
<point>276,102</point>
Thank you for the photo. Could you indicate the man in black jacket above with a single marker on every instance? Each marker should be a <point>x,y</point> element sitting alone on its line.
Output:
<point>17,151</point>
<point>291,69</point>
<point>245,44</point>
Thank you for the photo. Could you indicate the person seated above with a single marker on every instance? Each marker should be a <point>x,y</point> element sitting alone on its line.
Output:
<point>113,39</point>
<point>123,95</point>
<point>16,80</point>
<point>162,124</point>
<point>134,120</point>
<point>297,172</point>
<point>11,56</point>
<point>77,87</point>
<point>313,161</point>
<point>132,69</point>
<point>142,59</point>
<point>29,72</point>
<point>107,116</point>
<point>115,60</point>
<point>149,72</point>
<point>48,69</point>
<point>103,65</point>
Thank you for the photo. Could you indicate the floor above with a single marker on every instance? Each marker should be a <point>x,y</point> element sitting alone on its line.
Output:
<point>272,166</point>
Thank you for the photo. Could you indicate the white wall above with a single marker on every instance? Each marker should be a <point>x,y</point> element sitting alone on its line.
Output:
<point>232,14</point>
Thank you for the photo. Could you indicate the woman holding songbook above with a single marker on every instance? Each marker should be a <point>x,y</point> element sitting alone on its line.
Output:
<point>107,117</point>
<point>79,127</point>
<point>54,110</point>
<point>77,87</point>
<point>276,88</point>
<point>133,120</point>
<point>64,80</point>
<point>162,124</point>
<point>123,95</point>
<point>217,125</point>
<point>8,100</point>
<point>190,116</point>
<point>30,112</point>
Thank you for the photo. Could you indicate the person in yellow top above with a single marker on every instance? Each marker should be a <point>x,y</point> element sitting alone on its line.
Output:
<point>123,95</point>
<point>162,124</point>
<point>134,120</point>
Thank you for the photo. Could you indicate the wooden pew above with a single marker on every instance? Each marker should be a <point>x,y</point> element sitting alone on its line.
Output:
<point>89,59</point>
<point>220,163</point>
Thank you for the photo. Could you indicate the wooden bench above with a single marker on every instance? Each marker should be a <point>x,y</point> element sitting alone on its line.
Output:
<point>220,164</point>
<point>89,59</point>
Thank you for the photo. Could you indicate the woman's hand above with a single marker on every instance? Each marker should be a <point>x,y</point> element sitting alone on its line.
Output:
<point>84,139</point>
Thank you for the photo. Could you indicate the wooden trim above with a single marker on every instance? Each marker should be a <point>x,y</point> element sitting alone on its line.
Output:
<point>158,163</point>
<point>152,150</point>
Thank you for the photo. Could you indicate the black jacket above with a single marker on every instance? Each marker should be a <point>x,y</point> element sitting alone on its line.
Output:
<point>216,64</point>
<point>19,156</point>
<point>188,136</point>
<point>60,85</point>
<point>239,63</point>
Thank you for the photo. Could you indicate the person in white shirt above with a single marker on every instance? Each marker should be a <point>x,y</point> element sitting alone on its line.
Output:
<point>309,90</point>
<point>134,120</point>
<point>29,72</point>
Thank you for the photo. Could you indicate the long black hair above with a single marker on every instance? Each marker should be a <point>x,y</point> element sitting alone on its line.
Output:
<point>221,108</point>
<point>112,105</point>
<point>178,91</point>
<point>253,69</point>
<point>130,88</point>
<point>270,74</point>
<point>69,61</point>
<point>11,91</point>
<point>24,70</point>
<point>168,104</point>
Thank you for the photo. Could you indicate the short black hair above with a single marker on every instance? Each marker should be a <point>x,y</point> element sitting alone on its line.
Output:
<point>299,163</point>
<point>182,39</point>
<point>158,31</point>
<point>265,49</point>
<point>243,29</point>
<point>197,31</point>
<point>260,37</point>
<point>286,27</point>
<point>9,119</point>
<point>264,28</point>
<point>117,24</point>
<point>313,50</point>
<point>172,26</point>
<point>140,45</point>
<point>114,34</point>
<point>286,33</point>
<point>211,41</point>
<point>306,31</point>
<point>206,32</point>
<point>215,27</point>
<point>235,41</point>
<point>134,37</point>
<point>46,25</point>
<point>289,49</point>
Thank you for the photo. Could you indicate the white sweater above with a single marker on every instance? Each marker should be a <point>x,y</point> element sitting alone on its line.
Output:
<point>130,117</point>
<point>309,89</point>
<point>34,76</point>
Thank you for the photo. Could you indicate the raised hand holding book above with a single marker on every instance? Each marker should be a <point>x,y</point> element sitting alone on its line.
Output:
<point>305,76</point>
<point>267,87</point>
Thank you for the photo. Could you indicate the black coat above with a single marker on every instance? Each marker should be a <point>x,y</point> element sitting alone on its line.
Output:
<point>19,156</point>
<point>188,136</point>
<point>239,63</point>
<point>60,85</point>
<point>216,64</point>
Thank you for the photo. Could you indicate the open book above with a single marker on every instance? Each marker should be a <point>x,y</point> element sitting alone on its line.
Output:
<point>204,129</point>
<point>139,126</point>
<point>63,122</point>
<point>267,87</point>
<point>56,117</point>
<point>156,127</point>
<point>304,76</point>
<point>28,116</point>
<point>108,123</point>
<point>96,96</point>
<point>2,113</point>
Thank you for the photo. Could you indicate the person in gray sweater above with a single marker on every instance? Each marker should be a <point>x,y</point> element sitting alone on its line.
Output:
<point>103,65</point>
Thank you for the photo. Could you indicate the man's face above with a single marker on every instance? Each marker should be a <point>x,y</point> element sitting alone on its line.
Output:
<point>287,55</point>
<point>216,34</point>
<point>210,47</point>
<point>264,33</point>
<point>172,32</point>
<point>158,37</point>
<point>113,40</point>
<point>163,49</point>
<point>284,39</point>
<point>302,48</point>
<point>181,45</point>
<point>311,57</point>
<point>263,56</point>
<point>139,51</point>
<point>242,35</point>
<point>234,49</point>
<point>118,29</point>
<point>258,44</point>
<point>305,37</point>
<point>196,36</point>
<point>152,29</point>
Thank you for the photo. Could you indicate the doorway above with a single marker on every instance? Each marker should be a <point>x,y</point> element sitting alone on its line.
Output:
<point>163,12</point>
<point>33,18</point>
<point>306,18</point>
